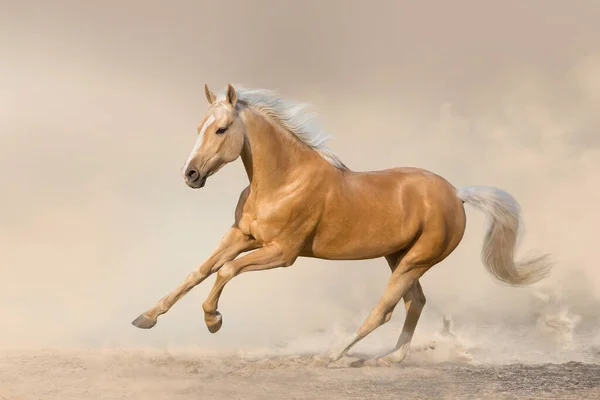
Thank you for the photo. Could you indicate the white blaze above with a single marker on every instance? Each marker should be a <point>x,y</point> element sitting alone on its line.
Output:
<point>208,122</point>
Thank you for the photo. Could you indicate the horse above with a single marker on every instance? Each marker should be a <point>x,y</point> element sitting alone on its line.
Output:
<point>303,201</point>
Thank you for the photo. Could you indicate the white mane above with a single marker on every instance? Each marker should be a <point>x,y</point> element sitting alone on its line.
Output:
<point>293,116</point>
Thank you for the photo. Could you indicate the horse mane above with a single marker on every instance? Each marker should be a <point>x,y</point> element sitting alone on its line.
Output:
<point>293,116</point>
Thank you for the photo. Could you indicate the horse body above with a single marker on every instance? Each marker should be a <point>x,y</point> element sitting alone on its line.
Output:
<point>374,214</point>
<point>302,201</point>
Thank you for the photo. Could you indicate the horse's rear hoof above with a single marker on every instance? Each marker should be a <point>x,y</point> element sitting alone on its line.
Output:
<point>358,363</point>
<point>377,362</point>
<point>214,322</point>
<point>143,322</point>
<point>321,361</point>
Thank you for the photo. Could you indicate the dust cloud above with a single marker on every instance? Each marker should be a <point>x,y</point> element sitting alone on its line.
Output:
<point>98,110</point>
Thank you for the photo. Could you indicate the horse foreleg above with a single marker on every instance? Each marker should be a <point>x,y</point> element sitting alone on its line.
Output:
<point>231,245</point>
<point>268,257</point>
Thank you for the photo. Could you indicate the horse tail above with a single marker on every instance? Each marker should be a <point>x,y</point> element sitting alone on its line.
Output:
<point>501,237</point>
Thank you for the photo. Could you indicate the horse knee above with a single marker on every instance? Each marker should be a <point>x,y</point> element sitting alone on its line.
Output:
<point>227,272</point>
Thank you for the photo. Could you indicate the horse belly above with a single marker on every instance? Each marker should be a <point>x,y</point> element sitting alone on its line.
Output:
<point>355,251</point>
<point>362,239</point>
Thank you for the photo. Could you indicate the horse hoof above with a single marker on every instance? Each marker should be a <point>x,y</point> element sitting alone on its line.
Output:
<point>358,363</point>
<point>321,361</point>
<point>214,322</point>
<point>377,362</point>
<point>143,322</point>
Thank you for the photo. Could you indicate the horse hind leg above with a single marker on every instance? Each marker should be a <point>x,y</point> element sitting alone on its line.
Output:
<point>414,301</point>
<point>401,281</point>
<point>425,256</point>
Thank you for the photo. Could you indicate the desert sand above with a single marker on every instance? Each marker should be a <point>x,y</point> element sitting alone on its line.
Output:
<point>443,367</point>
<point>74,375</point>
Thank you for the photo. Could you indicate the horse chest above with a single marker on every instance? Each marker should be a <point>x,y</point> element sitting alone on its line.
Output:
<point>251,226</point>
<point>264,223</point>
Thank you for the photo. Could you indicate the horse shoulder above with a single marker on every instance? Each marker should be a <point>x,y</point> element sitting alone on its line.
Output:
<point>290,215</point>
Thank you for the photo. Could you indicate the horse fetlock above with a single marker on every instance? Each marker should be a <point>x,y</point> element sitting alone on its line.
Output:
<point>398,356</point>
<point>209,307</point>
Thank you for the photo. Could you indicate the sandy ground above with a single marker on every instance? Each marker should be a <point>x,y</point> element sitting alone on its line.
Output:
<point>118,374</point>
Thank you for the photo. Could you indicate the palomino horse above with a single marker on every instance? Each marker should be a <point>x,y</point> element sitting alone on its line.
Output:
<point>302,201</point>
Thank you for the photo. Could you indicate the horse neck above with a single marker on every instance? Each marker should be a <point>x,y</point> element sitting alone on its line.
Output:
<point>272,158</point>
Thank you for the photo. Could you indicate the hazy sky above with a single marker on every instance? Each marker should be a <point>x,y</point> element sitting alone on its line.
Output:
<point>99,106</point>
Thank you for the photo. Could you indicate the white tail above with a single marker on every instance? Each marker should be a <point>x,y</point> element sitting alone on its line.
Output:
<point>501,237</point>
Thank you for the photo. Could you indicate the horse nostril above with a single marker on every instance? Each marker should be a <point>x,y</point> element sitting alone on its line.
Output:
<point>191,174</point>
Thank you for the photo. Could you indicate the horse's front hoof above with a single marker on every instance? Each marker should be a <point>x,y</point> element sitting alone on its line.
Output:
<point>214,322</point>
<point>143,322</point>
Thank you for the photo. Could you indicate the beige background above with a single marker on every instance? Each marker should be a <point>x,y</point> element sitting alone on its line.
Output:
<point>98,109</point>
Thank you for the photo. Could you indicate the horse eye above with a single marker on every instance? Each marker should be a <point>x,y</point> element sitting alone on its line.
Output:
<point>221,131</point>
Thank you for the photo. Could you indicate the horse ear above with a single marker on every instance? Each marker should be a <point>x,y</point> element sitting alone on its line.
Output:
<point>231,95</point>
<point>210,96</point>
